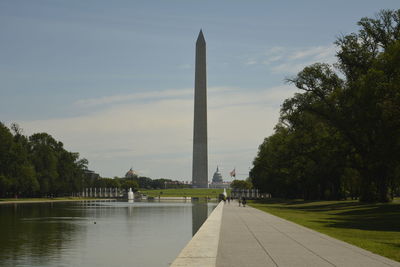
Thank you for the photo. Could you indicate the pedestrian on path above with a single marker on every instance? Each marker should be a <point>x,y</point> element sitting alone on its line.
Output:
<point>244,201</point>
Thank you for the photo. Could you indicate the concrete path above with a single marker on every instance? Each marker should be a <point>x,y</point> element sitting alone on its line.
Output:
<point>250,237</point>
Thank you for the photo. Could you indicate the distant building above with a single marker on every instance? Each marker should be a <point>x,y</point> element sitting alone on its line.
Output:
<point>131,174</point>
<point>91,174</point>
<point>217,181</point>
<point>217,177</point>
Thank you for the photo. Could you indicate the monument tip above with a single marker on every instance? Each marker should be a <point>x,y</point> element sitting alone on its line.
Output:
<point>200,38</point>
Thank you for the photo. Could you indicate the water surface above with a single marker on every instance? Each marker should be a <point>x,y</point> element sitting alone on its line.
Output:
<point>97,233</point>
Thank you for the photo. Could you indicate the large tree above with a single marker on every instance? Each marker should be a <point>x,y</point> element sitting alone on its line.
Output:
<point>347,118</point>
<point>38,165</point>
<point>364,103</point>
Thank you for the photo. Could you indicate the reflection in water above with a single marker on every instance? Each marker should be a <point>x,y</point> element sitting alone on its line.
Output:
<point>97,233</point>
<point>35,230</point>
<point>199,215</point>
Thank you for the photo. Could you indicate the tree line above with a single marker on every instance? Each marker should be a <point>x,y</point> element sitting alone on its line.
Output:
<point>139,182</point>
<point>339,136</point>
<point>40,166</point>
<point>241,184</point>
<point>37,165</point>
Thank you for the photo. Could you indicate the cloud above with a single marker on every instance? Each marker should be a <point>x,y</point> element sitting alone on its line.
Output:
<point>296,60</point>
<point>272,59</point>
<point>155,136</point>
<point>291,68</point>
<point>185,66</point>
<point>114,99</point>
<point>250,61</point>
<point>322,53</point>
<point>291,60</point>
<point>275,50</point>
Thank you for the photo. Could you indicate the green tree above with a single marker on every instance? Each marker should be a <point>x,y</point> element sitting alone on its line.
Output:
<point>43,155</point>
<point>6,143</point>
<point>126,184</point>
<point>111,182</point>
<point>144,182</point>
<point>27,182</point>
<point>22,171</point>
<point>272,168</point>
<point>364,104</point>
<point>341,135</point>
<point>241,184</point>
<point>37,165</point>
<point>6,185</point>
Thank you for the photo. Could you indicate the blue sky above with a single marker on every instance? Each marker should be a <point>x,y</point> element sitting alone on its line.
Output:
<point>113,80</point>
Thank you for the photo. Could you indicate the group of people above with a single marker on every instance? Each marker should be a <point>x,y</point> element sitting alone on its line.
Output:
<point>241,200</point>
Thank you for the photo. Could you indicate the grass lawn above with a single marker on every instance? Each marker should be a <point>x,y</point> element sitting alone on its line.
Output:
<point>188,192</point>
<point>374,227</point>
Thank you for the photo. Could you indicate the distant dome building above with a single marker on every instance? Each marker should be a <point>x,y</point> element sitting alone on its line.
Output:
<point>217,181</point>
<point>217,177</point>
<point>131,174</point>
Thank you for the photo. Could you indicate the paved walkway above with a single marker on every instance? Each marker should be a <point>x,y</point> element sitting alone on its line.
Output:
<point>250,237</point>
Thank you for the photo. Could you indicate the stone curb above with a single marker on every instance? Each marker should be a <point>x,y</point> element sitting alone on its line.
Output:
<point>202,249</point>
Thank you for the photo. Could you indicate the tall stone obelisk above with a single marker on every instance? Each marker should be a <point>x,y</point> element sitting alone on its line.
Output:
<point>200,154</point>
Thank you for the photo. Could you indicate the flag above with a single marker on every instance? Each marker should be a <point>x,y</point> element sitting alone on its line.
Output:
<point>233,173</point>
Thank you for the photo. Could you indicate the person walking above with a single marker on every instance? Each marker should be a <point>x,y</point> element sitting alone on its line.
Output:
<point>244,201</point>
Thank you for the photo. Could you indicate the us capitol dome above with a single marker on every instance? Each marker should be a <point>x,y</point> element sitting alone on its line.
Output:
<point>218,182</point>
<point>217,177</point>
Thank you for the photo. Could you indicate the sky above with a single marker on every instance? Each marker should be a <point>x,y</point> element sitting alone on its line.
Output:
<point>114,80</point>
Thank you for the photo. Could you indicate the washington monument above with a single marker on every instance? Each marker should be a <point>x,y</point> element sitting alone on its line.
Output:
<point>200,154</point>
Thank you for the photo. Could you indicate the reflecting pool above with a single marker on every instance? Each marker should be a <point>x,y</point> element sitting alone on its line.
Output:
<point>93,233</point>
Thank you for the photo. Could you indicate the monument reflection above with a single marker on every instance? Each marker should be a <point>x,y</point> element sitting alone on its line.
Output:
<point>199,215</point>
